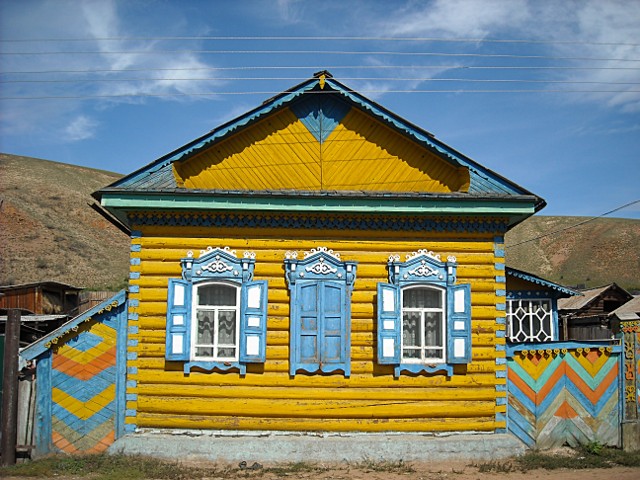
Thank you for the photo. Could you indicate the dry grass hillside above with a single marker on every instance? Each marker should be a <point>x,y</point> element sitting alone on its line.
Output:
<point>598,252</point>
<point>49,232</point>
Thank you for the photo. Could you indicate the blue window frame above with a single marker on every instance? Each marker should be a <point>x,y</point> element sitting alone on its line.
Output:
<point>424,318</point>
<point>216,313</point>
<point>320,289</point>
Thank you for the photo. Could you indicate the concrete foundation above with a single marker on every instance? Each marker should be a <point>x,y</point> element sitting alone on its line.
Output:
<point>631,436</point>
<point>316,447</point>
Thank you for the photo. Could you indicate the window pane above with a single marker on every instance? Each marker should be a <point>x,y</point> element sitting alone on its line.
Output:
<point>410,353</point>
<point>226,352</point>
<point>411,329</point>
<point>204,352</point>
<point>433,353</point>
<point>433,329</point>
<point>227,327</point>
<point>223,295</point>
<point>421,298</point>
<point>205,328</point>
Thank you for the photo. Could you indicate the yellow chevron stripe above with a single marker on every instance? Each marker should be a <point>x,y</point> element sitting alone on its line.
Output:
<point>585,361</point>
<point>533,369</point>
<point>84,410</point>
<point>108,336</point>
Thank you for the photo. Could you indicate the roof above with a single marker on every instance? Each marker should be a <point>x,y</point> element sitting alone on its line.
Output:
<point>158,177</point>
<point>46,284</point>
<point>44,343</point>
<point>529,277</point>
<point>588,296</point>
<point>628,311</point>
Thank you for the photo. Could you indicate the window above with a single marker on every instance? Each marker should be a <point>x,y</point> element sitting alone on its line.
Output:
<point>320,290</point>
<point>423,324</point>
<point>424,318</point>
<point>216,313</point>
<point>215,327</point>
<point>530,320</point>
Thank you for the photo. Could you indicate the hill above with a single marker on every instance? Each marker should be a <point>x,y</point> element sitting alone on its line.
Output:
<point>598,252</point>
<point>49,232</point>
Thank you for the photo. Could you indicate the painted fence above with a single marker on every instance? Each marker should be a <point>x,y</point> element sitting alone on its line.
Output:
<point>80,381</point>
<point>564,393</point>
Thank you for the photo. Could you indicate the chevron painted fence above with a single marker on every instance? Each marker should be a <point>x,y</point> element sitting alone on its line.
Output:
<point>79,381</point>
<point>564,394</point>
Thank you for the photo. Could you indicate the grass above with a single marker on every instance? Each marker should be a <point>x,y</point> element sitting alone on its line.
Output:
<point>123,467</point>
<point>589,456</point>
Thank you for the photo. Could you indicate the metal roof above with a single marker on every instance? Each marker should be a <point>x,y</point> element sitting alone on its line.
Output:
<point>529,277</point>
<point>588,296</point>
<point>158,175</point>
<point>628,311</point>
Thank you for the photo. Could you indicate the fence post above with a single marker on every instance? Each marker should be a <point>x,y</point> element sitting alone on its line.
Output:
<point>10,388</point>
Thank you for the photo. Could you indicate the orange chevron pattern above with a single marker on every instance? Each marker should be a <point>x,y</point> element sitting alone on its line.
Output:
<point>564,396</point>
<point>83,392</point>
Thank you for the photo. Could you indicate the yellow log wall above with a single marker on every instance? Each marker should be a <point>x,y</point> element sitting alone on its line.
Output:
<point>267,398</point>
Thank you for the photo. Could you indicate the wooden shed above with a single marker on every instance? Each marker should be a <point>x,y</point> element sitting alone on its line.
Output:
<point>588,316</point>
<point>316,265</point>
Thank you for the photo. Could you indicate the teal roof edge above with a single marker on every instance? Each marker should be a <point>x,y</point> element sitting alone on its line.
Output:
<point>38,347</point>
<point>483,180</point>
<point>529,277</point>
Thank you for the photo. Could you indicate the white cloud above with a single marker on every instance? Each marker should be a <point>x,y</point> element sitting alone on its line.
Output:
<point>80,128</point>
<point>456,18</point>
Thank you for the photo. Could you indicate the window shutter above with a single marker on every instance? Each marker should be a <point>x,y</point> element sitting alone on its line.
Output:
<point>253,328</point>
<point>178,341</point>
<point>334,352</point>
<point>389,324</point>
<point>459,323</point>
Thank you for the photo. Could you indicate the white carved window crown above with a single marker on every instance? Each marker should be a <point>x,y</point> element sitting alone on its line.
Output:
<point>218,263</point>
<point>421,266</point>
<point>319,263</point>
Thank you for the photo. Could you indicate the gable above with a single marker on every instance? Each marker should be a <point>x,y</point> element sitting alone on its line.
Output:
<point>320,143</point>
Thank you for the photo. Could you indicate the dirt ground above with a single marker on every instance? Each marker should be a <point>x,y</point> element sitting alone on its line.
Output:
<point>413,470</point>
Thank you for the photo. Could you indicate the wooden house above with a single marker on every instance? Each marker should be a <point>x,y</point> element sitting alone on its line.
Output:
<point>588,316</point>
<point>532,307</point>
<point>317,267</point>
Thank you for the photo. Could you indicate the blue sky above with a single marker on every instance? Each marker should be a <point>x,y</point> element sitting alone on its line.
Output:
<point>144,77</point>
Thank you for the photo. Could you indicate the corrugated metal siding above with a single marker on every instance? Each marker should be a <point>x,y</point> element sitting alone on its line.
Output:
<point>267,398</point>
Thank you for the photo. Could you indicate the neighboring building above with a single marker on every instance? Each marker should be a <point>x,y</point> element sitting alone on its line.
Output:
<point>44,306</point>
<point>628,312</point>
<point>318,264</point>
<point>532,307</point>
<point>43,298</point>
<point>587,317</point>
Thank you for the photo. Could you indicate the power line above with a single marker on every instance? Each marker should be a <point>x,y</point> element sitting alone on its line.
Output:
<point>323,38</point>
<point>373,79</point>
<point>323,67</point>
<point>575,225</point>
<point>225,93</point>
<point>318,52</point>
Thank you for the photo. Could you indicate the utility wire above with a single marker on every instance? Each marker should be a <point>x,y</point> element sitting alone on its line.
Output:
<point>225,93</point>
<point>375,79</point>
<point>319,52</point>
<point>576,225</point>
<point>324,67</point>
<point>321,38</point>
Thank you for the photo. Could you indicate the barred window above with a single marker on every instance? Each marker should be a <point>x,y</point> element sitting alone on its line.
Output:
<point>530,320</point>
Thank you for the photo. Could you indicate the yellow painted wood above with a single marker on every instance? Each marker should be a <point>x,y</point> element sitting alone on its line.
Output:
<point>154,420</point>
<point>371,399</point>
<point>280,153</point>
<point>325,408</point>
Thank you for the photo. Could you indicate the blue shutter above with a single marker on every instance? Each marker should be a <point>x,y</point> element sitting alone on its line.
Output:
<point>334,354</point>
<point>305,354</point>
<point>178,340</point>
<point>459,323</point>
<point>389,324</point>
<point>253,326</point>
